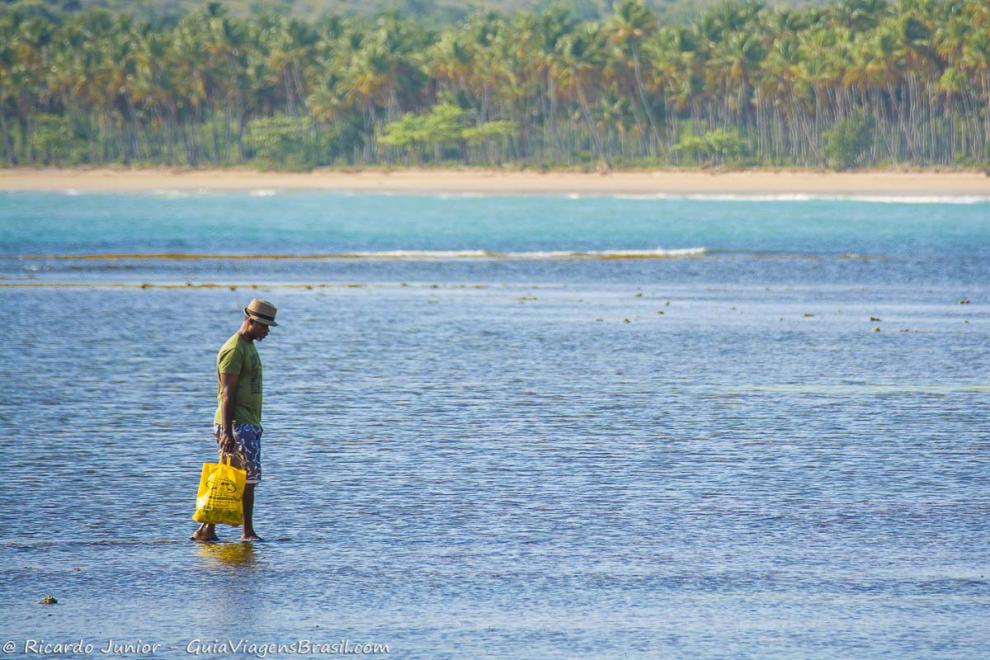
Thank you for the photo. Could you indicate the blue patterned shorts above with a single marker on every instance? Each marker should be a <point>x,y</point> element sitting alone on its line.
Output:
<point>247,437</point>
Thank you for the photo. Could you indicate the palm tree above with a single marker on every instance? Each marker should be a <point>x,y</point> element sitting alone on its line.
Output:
<point>384,76</point>
<point>577,67</point>
<point>130,89</point>
<point>27,31</point>
<point>630,26</point>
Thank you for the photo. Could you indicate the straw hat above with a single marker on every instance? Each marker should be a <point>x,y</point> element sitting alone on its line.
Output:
<point>261,311</point>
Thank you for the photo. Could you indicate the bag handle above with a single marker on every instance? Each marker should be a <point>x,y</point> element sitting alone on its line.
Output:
<point>223,454</point>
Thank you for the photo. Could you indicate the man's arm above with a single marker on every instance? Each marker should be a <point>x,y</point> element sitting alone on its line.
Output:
<point>228,391</point>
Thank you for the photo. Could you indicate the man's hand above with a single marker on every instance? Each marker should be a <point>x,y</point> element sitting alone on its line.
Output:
<point>227,444</point>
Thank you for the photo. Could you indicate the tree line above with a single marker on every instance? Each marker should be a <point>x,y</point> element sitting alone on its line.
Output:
<point>857,83</point>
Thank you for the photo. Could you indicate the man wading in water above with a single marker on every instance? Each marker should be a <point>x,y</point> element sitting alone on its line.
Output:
<point>237,423</point>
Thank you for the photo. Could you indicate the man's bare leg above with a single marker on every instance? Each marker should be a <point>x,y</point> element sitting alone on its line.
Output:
<point>205,533</point>
<point>248,532</point>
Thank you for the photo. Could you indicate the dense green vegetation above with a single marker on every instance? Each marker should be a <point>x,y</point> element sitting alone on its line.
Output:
<point>862,82</point>
<point>430,12</point>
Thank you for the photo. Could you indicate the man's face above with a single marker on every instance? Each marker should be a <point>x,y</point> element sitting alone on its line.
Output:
<point>258,330</point>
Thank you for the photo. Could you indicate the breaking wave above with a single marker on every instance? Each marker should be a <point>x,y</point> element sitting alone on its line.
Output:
<point>411,255</point>
<point>176,193</point>
<point>809,197</point>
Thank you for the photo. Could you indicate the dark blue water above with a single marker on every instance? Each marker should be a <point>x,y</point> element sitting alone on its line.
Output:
<point>776,447</point>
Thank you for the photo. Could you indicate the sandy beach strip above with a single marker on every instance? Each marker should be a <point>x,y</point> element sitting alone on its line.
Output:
<point>659,182</point>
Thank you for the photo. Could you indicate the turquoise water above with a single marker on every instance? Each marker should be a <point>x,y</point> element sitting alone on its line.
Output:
<point>323,223</point>
<point>505,426</point>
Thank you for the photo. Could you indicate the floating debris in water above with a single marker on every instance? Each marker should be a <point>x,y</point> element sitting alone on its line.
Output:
<point>964,301</point>
<point>874,319</point>
<point>809,316</point>
<point>48,600</point>
<point>876,329</point>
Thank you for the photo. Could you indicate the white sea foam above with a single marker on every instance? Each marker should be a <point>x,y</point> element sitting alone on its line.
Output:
<point>463,195</point>
<point>720,197</point>
<point>412,255</point>
<point>419,254</point>
<point>920,199</point>
<point>533,255</point>
<point>811,197</point>
<point>71,192</point>
<point>173,193</point>
<point>657,253</point>
<point>645,197</point>
<point>739,197</point>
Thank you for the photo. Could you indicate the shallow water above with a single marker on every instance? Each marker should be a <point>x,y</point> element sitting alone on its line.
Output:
<point>533,456</point>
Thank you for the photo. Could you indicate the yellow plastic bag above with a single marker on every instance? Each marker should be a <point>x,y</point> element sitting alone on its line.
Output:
<point>221,494</point>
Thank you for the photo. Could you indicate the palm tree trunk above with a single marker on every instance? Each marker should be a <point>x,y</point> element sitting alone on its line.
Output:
<point>985,102</point>
<point>595,135</point>
<point>8,146</point>
<point>642,96</point>
<point>192,153</point>
<point>552,116</point>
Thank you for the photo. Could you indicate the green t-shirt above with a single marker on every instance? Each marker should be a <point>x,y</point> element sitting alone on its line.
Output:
<point>239,356</point>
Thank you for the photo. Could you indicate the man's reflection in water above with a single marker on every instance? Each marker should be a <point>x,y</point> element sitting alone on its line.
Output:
<point>230,554</point>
